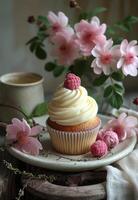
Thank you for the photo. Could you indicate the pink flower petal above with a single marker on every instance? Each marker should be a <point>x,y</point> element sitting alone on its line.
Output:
<point>97,70</point>
<point>131,44</point>
<point>95,20</point>
<point>115,50</point>
<point>100,39</point>
<point>131,69</point>
<point>120,63</point>
<point>108,44</point>
<point>96,51</point>
<point>65,48</point>
<point>11,132</point>
<point>122,134</point>
<point>82,25</point>
<point>134,49</point>
<point>123,46</point>
<point>89,34</point>
<point>63,19</point>
<point>26,127</point>
<point>52,17</point>
<point>121,117</point>
<point>131,121</point>
<point>32,146</point>
<point>103,28</point>
<point>106,69</point>
<point>111,123</point>
<point>18,124</point>
<point>125,70</point>
<point>98,62</point>
<point>35,130</point>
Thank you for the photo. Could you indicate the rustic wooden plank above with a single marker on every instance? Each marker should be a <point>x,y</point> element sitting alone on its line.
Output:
<point>41,189</point>
<point>45,190</point>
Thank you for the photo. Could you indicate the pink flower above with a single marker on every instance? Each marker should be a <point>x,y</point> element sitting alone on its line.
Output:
<point>58,22</point>
<point>89,34</point>
<point>22,136</point>
<point>109,137</point>
<point>106,57</point>
<point>123,126</point>
<point>65,48</point>
<point>99,148</point>
<point>129,60</point>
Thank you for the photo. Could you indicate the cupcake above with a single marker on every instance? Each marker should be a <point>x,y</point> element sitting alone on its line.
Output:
<point>73,123</point>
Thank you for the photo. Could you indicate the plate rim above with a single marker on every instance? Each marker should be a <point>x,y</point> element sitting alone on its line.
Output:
<point>39,161</point>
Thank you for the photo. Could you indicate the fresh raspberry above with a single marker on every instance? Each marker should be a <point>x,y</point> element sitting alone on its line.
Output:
<point>72,81</point>
<point>110,138</point>
<point>99,148</point>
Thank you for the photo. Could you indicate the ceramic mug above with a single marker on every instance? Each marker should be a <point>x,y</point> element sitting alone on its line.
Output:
<point>23,90</point>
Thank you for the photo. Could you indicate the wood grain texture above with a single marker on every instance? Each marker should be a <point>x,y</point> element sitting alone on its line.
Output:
<point>57,191</point>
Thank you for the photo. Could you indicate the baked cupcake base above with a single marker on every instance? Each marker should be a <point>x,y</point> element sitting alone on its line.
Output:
<point>73,142</point>
<point>92,123</point>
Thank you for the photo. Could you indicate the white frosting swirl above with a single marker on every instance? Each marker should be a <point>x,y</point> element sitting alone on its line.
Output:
<point>72,107</point>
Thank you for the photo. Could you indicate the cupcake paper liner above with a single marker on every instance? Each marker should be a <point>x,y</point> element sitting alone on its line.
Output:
<point>73,143</point>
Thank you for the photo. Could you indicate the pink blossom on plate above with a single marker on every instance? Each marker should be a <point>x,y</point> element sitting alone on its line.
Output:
<point>106,56</point>
<point>21,135</point>
<point>65,48</point>
<point>89,34</point>
<point>129,58</point>
<point>123,126</point>
<point>58,22</point>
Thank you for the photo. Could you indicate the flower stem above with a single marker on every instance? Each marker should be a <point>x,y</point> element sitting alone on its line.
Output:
<point>15,108</point>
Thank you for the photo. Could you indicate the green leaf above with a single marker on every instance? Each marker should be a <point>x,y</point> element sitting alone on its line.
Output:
<point>108,91</point>
<point>110,31</point>
<point>41,35</point>
<point>131,19</point>
<point>100,80</point>
<point>83,15</point>
<point>119,88</point>
<point>99,10</point>
<point>126,23</point>
<point>117,76</point>
<point>89,15</point>
<point>50,66</point>
<point>40,53</point>
<point>118,40</point>
<point>90,91</point>
<point>33,46</point>
<point>58,71</point>
<point>79,67</point>
<point>43,19</point>
<point>116,100</point>
<point>39,110</point>
<point>123,27</point>
<point>32,40</point>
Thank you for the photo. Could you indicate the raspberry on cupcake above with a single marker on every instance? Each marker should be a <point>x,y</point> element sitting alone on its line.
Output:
<point>72,81</point>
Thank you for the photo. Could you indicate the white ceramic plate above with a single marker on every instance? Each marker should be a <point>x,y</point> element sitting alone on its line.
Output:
<point>50,159</point>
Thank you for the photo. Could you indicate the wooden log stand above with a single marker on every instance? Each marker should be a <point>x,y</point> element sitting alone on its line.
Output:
<point>89,185</point>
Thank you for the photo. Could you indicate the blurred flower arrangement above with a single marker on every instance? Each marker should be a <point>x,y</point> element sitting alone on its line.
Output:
<point>88,47</point>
